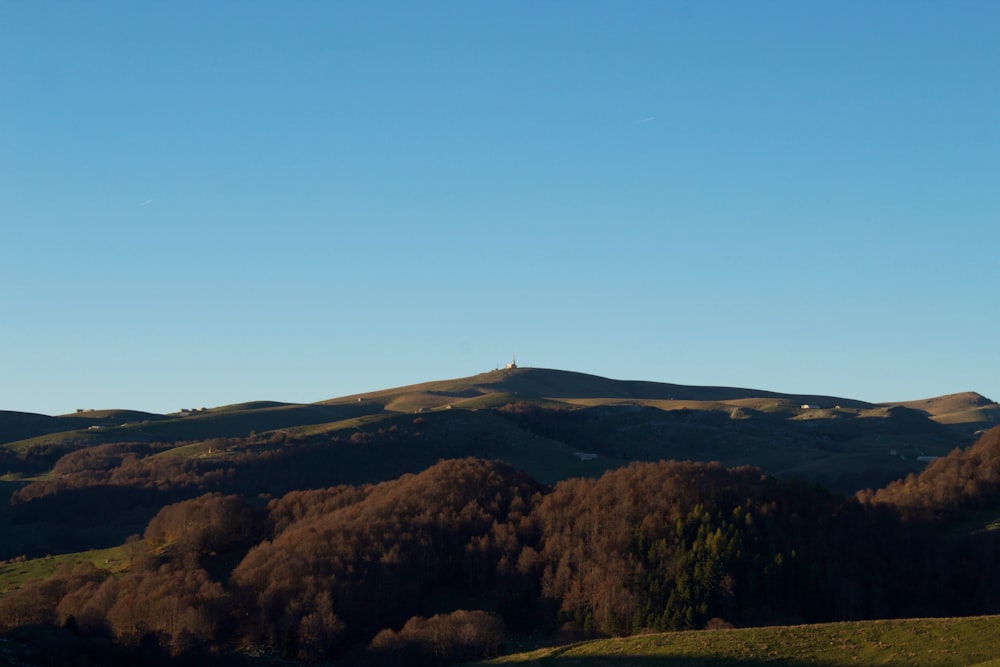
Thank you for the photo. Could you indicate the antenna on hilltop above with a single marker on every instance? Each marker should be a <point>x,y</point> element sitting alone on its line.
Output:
<point>513,362</point>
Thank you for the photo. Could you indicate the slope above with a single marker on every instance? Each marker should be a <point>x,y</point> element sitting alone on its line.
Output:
<point>967,410</point>
<point>554,423</point>
<point>543,383</point>
<point>935,642</point>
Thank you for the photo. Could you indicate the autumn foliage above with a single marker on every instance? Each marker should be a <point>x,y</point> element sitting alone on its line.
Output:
<point>436,567</point>
<point>962,480</point>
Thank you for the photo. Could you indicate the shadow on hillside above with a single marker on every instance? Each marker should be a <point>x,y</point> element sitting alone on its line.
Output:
<point>71,520</point>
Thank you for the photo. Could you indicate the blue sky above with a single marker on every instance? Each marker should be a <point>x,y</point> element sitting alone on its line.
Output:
<point>207,203</point>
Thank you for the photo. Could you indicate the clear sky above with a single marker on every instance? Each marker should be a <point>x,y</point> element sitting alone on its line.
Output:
<point>204,203</point>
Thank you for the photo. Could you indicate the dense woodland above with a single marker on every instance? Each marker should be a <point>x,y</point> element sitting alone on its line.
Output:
<point>439,566</point>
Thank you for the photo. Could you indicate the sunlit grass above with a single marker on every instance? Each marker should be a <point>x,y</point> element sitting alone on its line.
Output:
<point>15,574</point>
<point>936,642</point>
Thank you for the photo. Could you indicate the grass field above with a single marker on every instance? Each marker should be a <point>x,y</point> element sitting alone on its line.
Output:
<point>15,574</point>
<point>936,642</point>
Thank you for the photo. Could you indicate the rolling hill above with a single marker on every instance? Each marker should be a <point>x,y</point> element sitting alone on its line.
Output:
<point>967,410</point>
<point>541,383</point>
<point>556,423</point>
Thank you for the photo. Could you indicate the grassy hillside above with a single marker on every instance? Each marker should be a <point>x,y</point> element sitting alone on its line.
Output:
<point>557,384</point>
<point>225,422</point>
<point>938,642</point>
<point>968,410</point>
<point>948,404</point>
<point>554,388</point>
<point>16,573</point>
<point>24,425</point>
<point>842,443</point>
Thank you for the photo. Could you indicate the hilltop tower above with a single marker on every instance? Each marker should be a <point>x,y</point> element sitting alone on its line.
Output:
<point>513,362</point>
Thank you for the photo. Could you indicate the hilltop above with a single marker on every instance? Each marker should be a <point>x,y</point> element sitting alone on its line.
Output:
<point>967,409</point>
<point>539,386</point>
<point>551,384</point>
<point>555,424</point>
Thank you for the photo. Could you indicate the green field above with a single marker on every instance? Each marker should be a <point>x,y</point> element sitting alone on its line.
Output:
<point>935,642</point>
<point>15,574</point>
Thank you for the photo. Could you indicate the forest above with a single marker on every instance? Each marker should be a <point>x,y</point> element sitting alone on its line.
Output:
<point>442,565</point>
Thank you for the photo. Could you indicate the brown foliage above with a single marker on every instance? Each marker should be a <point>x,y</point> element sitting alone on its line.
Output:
<point>298,506</point>
<point>963,479</point>
<point>653,545</point>
<point>36,603</point>
<point>670,544</point>
<point>181,605</point>
<point>205,525</point>
<point>103,458</point>
<point>442,639</point>
<point>379,557</point>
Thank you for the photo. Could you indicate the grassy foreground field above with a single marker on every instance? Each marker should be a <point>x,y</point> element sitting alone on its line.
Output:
<point>934,642</point>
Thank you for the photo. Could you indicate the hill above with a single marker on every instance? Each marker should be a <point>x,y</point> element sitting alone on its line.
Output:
<point>547,387</point>
<point>936,642</point>
<point>552,423</point>
<point>967,410</point>
<point>23,425</point>
<point>542,383</point>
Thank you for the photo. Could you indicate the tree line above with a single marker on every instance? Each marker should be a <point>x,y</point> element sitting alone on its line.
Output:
<point>437,566</point>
